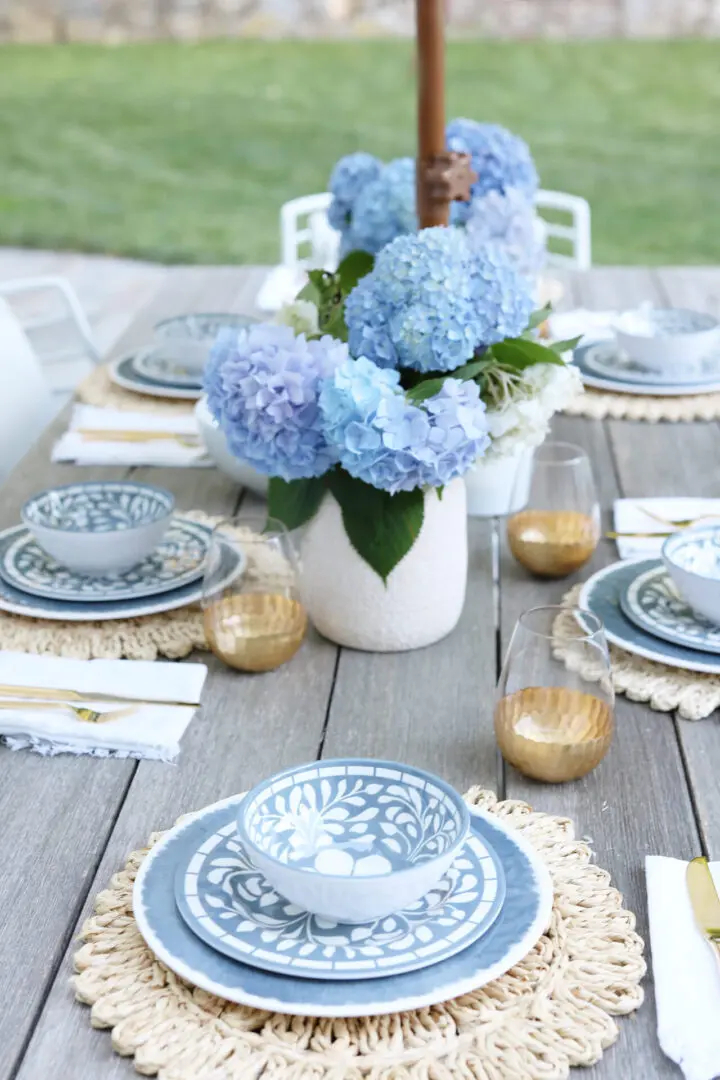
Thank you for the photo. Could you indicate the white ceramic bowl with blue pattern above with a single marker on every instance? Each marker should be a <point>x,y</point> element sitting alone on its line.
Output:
<point>693,561</point>
<point>353,839</point>
<point>668,341</point>
<point>99,528</point>
<point>189,338</point>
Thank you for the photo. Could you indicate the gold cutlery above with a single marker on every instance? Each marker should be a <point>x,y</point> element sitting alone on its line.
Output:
<point>88,716</point>
<point>41,693</point>
<point>678,523</point>
<point>705,901</point>
<point>103,435</point>
<point>639,535</point>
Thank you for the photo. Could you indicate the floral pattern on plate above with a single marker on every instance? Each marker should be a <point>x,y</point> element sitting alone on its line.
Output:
<point>124,373</point>
<point>587,357</point>
<point>347,824</point>
<point>229,904</point>
<point>653,603</point>
<point>178,560</point>
<point>152,364</point>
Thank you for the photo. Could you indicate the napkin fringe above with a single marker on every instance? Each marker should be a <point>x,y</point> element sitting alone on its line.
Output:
<point>52,749</point>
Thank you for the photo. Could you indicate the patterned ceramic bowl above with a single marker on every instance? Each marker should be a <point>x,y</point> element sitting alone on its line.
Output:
<point>669,341</point>
<point>693,561</point>
<point>99,528</point>
<point>354,839</point>
<point>189,338</point>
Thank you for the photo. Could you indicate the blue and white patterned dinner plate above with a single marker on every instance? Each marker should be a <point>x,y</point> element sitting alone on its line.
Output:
<point>653,603</point>
<point>523,917</point>
<point>587,357</point>
<point>19,602</point>
<point>152,363</point>
<point>124,373</point>
<point>606,359</point>
<point>178,560</point>
<point>602,594</point>
<point>228,903</point>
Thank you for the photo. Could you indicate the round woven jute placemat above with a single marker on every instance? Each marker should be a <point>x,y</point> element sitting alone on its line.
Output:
<point>99,389</point>
<point>553,1010</point>
<point>693,694</point>
<point>601,404</point>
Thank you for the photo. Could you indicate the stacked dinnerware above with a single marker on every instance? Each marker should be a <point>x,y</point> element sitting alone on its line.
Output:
<point>104,550</point>
<point>345,887</point>
<point>665,352</point>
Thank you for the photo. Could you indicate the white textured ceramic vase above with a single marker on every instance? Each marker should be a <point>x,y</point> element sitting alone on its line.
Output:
<point>424,594</point>
<point>499,486</point>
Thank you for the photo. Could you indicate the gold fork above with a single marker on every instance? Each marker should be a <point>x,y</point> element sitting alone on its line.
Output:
<point>102,435</point>
<point>88,716</point>
<point>679,523</point>
<point>41,693</point>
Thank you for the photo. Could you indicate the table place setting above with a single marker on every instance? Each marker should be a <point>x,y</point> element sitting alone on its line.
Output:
<point>441,897</point>
<point>106,436</point>
<point>684,917</point>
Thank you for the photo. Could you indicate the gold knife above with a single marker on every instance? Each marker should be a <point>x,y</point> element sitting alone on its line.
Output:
<point>106,435</point>
<point>41,693</point>
<point>705,901</point>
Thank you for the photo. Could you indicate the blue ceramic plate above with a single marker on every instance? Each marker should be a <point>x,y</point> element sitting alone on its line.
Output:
<point>587,358</point>
<point>606,359</point>
<point>36,607</point>
<point>178,560</point>
<point>653,603</point>
<point>524,916</point>
<point>602,594</point>
<point>228,903</point>
<point>124,373</point>
<point>153,363</point>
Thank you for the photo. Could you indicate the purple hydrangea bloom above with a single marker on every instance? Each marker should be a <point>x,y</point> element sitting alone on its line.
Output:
<point>501,160</point>
<point>262,385</point>
<point>396,445</point>
<point>350,176</point>
<point>433,300</point>
<point>509,219</point>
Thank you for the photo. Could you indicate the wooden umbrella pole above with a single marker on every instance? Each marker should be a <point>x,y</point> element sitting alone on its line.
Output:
<point>431,108</point>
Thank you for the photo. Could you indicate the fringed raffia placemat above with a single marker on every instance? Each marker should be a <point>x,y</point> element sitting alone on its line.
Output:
<point>693,694</point>
<point>553,1010</point>
<point>99,389</point>
<point>601,405</point>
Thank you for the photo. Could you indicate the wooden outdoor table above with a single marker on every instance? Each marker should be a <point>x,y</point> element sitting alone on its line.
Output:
<point>66,824</point>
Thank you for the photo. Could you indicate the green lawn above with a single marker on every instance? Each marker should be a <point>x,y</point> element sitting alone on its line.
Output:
<point>180,152</point>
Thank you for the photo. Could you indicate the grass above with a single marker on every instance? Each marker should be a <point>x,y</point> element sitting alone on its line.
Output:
<point>184,152</point>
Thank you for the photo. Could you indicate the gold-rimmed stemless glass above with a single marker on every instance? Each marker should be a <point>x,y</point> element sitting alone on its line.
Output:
<point>254,619</point>
<point>555,699</point>
<point>558,529</point>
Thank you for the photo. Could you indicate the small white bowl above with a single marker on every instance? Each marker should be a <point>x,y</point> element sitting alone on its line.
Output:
<point>353,840</point>
<point>99,528</point>
<point>189,338</point>
<point>218,449</point>
<point>671,342</point>
<point>692,558</point>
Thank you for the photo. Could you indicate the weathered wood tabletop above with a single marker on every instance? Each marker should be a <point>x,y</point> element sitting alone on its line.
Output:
<point>66,824</point>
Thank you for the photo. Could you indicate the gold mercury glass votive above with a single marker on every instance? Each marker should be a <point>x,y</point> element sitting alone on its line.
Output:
<point>553,733</point>
<point>552,543</point>
<point>255,631</point>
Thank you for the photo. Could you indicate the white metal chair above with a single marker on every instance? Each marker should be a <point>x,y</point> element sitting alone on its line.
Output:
<point>26,402</point>
<point>307,239</point>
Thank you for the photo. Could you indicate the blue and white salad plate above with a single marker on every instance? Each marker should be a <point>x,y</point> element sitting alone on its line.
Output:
<point>124,373</point>
<point>178,560</point>
<point>653,603</point>
<point>602,594</point>
<point>19,602</point>
<point>523,917</point>
<point>608,360</point>
<point>229,903</point>
<point>589,359</point>
<point>153,363</point>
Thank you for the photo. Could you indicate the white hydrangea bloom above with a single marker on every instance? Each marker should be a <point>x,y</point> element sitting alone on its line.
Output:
<point>300,315</point>
<point>523,421</point>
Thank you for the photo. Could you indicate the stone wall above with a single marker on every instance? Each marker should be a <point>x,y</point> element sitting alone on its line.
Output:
<point>128,20</point>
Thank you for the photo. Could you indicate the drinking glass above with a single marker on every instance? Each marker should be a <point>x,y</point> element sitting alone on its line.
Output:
<point>555,699</point>
<point>559,528</point>
<point>254,620</point>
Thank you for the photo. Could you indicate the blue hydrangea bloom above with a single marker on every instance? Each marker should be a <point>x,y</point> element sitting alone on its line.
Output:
<point>433,300</point>
<point>509,219</point>
<point>350,176</point>
<point>501,160</point>
<point>393,444</point>
<point>263,384</point>
<point>385,208</point>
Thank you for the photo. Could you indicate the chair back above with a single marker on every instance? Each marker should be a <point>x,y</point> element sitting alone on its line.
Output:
<point>26,404</point>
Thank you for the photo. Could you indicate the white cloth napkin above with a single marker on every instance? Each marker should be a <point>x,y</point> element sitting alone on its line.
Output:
<point>282,285</point>
<point>592,325</point>
<point>629,517</point>
<point>73,447</point>
<point>686,973</point>
<point>150,731</point>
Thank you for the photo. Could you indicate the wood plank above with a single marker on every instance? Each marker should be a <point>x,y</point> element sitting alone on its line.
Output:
<point>425,707</point>
<point>75,800</point>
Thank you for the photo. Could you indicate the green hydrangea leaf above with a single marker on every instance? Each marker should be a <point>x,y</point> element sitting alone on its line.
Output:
<point>381,527</point>
<point>429,387</point>
<point>294,502</point>
<point>353,267</point>
<point>521,354</point>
